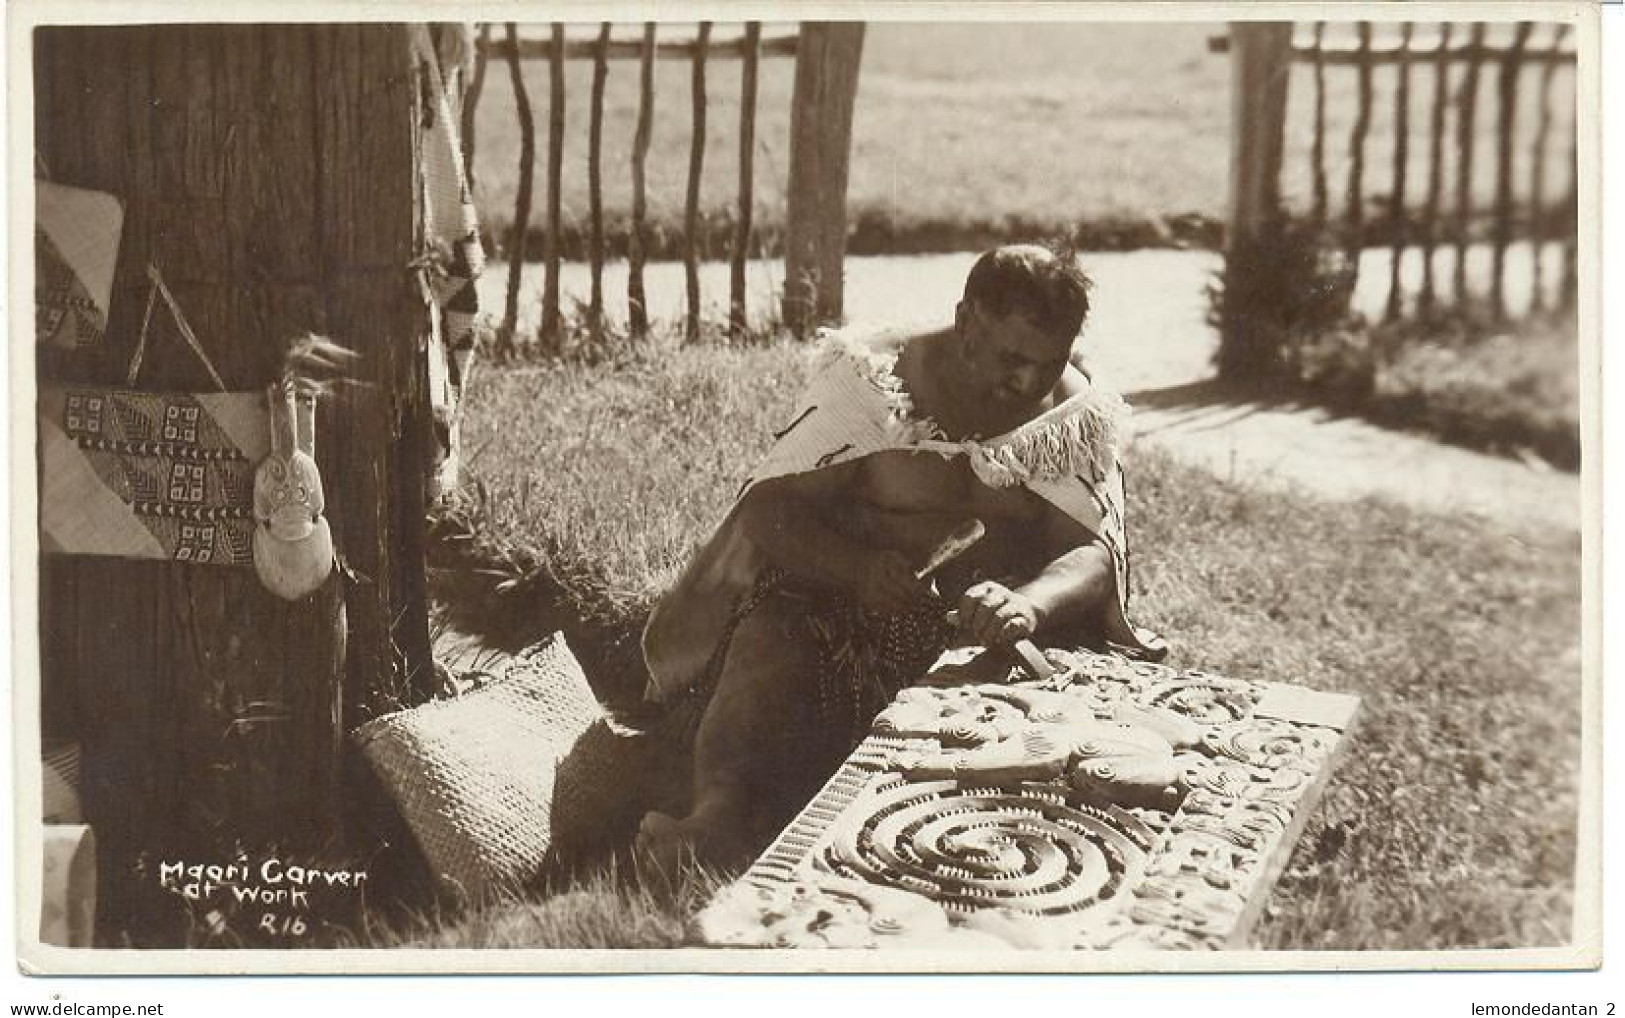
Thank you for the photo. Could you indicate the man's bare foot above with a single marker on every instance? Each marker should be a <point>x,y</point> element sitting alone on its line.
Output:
<point>662,845</point>
<point>706,838</point>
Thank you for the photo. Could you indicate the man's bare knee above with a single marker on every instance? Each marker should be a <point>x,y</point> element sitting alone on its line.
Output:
<point>766,658</point>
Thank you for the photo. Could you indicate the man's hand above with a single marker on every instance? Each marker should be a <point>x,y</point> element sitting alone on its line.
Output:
<point>993,614</point>
<point>885,582</point>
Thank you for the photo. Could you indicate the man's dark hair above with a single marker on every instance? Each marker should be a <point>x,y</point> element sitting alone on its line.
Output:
<point>1044,284</point>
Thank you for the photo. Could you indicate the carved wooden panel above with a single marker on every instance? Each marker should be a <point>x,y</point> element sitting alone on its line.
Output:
<point>1119,805</point>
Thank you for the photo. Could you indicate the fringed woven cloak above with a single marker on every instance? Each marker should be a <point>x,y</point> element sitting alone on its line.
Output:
<point>856,407</point>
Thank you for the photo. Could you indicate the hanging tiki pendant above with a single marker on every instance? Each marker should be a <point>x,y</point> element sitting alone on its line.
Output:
<point>293,545</point>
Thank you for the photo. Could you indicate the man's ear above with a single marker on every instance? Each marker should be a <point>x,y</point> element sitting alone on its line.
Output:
<point>962,330</point>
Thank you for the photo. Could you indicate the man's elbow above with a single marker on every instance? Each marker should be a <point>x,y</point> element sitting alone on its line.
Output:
<point>1094,582</point>
<point>1100,572</point>
<point>1087,563</point>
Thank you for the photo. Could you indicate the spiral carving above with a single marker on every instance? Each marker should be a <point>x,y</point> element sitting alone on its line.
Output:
<point>1121,806</point>
<point>1268,744</point>
<point>1204,698</point>
<point>1235,780</point>
<point>1035,849</point>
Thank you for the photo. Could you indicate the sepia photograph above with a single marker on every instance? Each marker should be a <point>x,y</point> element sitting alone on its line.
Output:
<point>1067,488</point>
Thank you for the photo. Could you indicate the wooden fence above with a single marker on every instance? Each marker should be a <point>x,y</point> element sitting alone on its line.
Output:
<point>827,57</point>
<point>1263,56</point>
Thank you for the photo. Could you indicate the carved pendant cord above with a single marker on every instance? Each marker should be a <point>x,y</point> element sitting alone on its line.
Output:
<point>1122,805</point>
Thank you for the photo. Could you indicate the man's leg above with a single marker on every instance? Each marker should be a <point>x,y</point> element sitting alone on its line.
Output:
<point>763,691</point>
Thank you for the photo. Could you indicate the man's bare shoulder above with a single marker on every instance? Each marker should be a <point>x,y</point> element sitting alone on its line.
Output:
<point>864,343</point>
<point>1075,381</point>
<point>837,480</point>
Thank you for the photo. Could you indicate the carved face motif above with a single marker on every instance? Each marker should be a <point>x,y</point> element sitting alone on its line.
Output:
<point>831,912</point>
<point>293,545</point>
<point>288,495</point>
<point>959,716</point>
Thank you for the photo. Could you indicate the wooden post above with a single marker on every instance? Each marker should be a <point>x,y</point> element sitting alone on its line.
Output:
<point>1537,175</point>
<point>696,166</point>
<point>637,302</point>
<point>1507,110</point>
<point>1402,128</point>
<point>1466,138</point>
<point>551,335</point>
<point>471,99</point>
<point>1571,242</point>
<point>1260,65</point>
<point>826,87</point>
<point>1430,217</point>
<point>1318,154</point>
<point>738,323</point>
<point>270,172</point>
<point>520,230</point>
<point>1571,246</point>
<point>1354,239</point>
<point>595,181</point>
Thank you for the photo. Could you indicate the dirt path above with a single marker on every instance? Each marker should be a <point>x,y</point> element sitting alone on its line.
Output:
<point>1148,337</point>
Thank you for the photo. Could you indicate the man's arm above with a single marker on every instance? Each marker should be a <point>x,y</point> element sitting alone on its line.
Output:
<point>788,518</point>
<point>1080,579</point>
<point>1074,588</point>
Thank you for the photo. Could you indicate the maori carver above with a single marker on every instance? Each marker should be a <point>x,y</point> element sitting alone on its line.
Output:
<point>807,611</point>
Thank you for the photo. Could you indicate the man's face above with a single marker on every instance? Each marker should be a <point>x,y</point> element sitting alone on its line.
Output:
<point>1010,361</point>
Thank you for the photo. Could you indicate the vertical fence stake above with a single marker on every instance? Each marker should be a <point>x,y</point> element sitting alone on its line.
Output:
<point>1571,247</point>
<point>1318,154</point>
<point>1430,217</point>
<point>1260,62</point>
<point>595,183</point>
<point>738,319</point>
<point>551,332</point>
<point>1537,176</point>
<point>471,99</point>
<point>696,165</point>
<point>1402,129</point>
<point>1354,238</point>
<point>1467,106</point>
<point>1507,109</point>
<point>521,215</point>
<point>827,59</point>
<point>637,306</point>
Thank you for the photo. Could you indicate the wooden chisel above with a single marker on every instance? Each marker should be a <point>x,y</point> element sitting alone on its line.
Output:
<point>1033,662</point>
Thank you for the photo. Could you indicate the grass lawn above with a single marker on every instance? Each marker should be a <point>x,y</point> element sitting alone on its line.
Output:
<point>1514,389</point>
<point>969,131</point>
<point>1451,821</point>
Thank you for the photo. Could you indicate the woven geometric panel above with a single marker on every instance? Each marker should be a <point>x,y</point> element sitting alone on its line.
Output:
<point>150,475</point>
<point>76,242</point>
<point>1118,805</point>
